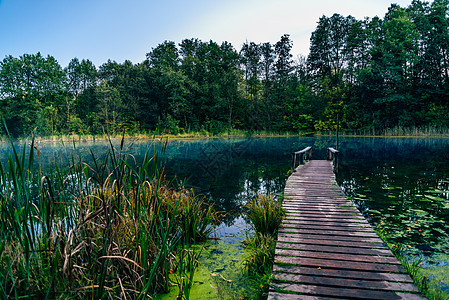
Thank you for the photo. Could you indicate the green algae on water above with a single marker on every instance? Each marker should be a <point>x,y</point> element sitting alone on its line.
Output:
<point>220,274</point>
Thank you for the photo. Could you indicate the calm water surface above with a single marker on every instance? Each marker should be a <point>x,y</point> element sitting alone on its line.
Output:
<point>400,185</point>
<point>402,188</point>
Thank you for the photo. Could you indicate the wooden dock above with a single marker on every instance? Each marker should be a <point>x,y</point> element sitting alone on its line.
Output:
<point>327,250</point>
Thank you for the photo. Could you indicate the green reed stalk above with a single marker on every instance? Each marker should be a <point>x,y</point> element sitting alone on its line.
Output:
<point>104,229</point>
<point>265,214</point>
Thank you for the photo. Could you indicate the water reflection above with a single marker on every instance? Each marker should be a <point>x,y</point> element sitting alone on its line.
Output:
<point>229,170</point>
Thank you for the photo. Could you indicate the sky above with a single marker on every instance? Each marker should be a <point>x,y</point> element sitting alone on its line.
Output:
<point>128,29</point>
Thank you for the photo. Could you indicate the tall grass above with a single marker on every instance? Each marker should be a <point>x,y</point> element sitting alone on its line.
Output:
<point>106,229</point>
<point>184,267</point>
<point>265,214</point>
<point>417,131</point>
<point>397,131</point>
<point>260,254</point>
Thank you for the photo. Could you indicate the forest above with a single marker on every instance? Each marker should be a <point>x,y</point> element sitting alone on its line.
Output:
<point>375,74</point>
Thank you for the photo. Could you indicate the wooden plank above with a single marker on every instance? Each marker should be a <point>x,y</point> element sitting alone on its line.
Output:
<point>305,206</point>
<point>321,204</point>
<point>346,283</point>
<point>293,213</point>
<point>321,214</point>
<point>319,208</point>
<point>339,256</point>
<point>343,292</point>
<point>354,232</point>
<point>339,264</point>
<point>334,249</point>
<point>282,296</point>
<point>351,243</point>
<point>311,208</point>
<point>325,209</point>
<point>291,221</point>
<point>337,227</point>
<point>317,197</point>
<point>339,273</point>
<point>346,220</point>
<point>347,238</point>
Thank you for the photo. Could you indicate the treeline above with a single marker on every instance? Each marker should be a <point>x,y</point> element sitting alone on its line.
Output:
<point>374,74</point>
<point>383,73</point>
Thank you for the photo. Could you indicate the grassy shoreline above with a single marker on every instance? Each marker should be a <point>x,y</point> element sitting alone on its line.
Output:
<point>389,133</point>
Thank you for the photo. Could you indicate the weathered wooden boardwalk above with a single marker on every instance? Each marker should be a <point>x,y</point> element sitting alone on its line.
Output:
<point>327,250</point>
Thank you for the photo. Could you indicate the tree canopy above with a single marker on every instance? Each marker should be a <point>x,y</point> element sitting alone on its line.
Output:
<point>375,74</point>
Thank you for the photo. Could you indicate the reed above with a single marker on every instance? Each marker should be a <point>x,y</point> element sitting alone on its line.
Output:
<point>260,254</point>
<point>197,219</point>
<point>185,263</point>
<point>107,229</point>
<point>416,131</point>
<point>265,214</point>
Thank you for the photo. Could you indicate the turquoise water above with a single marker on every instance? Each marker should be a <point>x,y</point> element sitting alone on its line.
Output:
<point>400,184</point>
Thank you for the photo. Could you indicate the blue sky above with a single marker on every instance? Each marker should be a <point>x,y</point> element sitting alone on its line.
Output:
<point>127,29</point>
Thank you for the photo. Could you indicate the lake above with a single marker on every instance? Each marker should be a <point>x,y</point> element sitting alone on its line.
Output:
<point>400,184</point>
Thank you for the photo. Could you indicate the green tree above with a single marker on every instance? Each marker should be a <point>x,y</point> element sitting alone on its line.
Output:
<point>231,74</point>
<point>28,85</point>
<point>250,56</point>
<point>431,70</point>
<point>284,83</point>
<point>393,60</point>
<point>172,86</point>
<point>162,62</point>
<point>80,76</point>
<point>337,48</point>
<point>110,106</point>
<point>267,73</point>
<point>299,112</point>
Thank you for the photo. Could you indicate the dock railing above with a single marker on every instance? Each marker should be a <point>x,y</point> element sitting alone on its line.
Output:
<point>332,155</point>
<point>304,156</point>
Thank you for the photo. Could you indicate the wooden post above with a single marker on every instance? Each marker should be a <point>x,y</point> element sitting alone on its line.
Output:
<point>294,162</point>
<point>338,128</point>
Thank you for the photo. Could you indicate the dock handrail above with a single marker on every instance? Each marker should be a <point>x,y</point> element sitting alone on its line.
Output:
<point>332,154</point>
<point>304,155</point>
